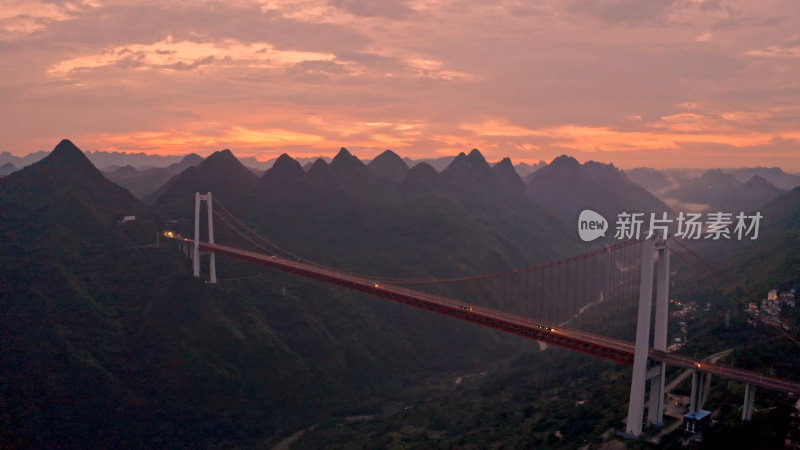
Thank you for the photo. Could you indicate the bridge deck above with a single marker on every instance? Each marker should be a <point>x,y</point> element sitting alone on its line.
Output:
<point>593,344</point>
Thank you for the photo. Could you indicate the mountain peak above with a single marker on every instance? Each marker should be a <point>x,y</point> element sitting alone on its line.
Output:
<point>285,168</point>
<point>221,155</point>
<point>719,180</point>
<point>223,160</point>
<point>604,172</point>
<point>224,164</point>
<point>68,154</point>
<point>389,165</point>
<point>759,181</point>
<point>388,155</point>
<point>504,163</point>
<point>221,172</point>
<point>718,174</point>
<point>422,176</point>
<point>469,172</point>
<point>191,159</point>
<point>66,173</point>
<point>286,161</point>
<point>473,161</point>
<point>562,167</point>
<point>346,163</point>
<point>507,175</point>
<point>505,169</point>
<point>476,158</point>
<point>567,187</point>
<point>343,153</point>
<point>66,146</point>
<point>749,196</point>
<point>319,169</point>
<point>345,158</point>
<point>565,161</point>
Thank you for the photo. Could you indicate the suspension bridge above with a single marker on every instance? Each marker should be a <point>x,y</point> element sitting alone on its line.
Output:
<point>574,303</point>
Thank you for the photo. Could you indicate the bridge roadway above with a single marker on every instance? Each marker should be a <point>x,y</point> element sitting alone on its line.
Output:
<point>593,344</point>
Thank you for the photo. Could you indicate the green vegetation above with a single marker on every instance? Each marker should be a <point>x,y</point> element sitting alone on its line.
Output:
<point>108,341</point>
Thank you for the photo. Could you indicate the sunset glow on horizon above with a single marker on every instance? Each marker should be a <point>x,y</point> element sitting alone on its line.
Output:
<point>673,83</point>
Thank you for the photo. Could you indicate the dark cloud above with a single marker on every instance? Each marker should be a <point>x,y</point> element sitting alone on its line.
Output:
<point>180,65</point>
<point>131,60</point>
<point>377,64</point>
<point>371,8</point>
<point>316,71</point>
<point>628,12</point>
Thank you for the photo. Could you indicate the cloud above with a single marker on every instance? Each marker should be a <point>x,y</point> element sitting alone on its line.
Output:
<point>22,17</point>
<point>704,37</point>
<point>498,127</point>
<point>169,54</point>
<point>776,51</point>
<point>623,80</point>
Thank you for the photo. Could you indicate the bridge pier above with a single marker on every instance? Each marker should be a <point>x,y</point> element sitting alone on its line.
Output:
<point>643,369</point>
<point>701,386</point>
<point>655,409</point>
<point>636,403</point>
<point>747,407</point>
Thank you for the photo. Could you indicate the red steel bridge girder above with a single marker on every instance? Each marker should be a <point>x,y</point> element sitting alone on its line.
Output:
<point>606,348</point>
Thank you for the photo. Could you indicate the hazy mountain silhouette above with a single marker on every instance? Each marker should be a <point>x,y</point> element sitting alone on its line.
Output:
<point>711,188</point>
<point>140,160</point>
<point>6,169</point>
<point>774,175</point>
<point>755,266</point>
<point>121,172</point>
<point>749,196</point>
<point>141,183</point>
<point>566,187</point>
<point>220,172</point>
<point>525,169</point>
<point>651,179</point>
<point>22,161</point>
<point>438,164</point>
<point>472,175</point>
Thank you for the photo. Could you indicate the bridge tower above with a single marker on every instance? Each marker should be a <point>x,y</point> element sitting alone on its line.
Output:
<point>643,368</point>
<point>198,198</point>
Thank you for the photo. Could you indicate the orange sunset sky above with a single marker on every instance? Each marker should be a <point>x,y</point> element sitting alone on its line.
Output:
<point>660,83</point>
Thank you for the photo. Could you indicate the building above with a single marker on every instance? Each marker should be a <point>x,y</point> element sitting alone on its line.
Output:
<point>696,422</point>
